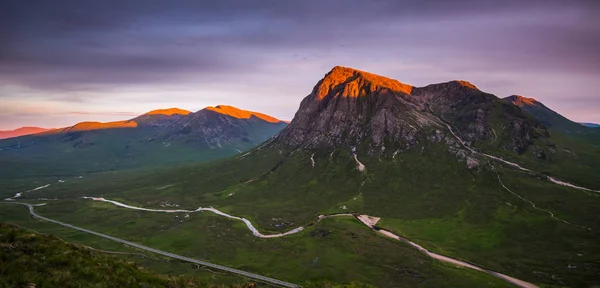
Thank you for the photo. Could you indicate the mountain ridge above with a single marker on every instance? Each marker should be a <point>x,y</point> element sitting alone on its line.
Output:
<point>22,131</point>
<point>241,114</point>
<point>159,137</point>
<point>554,120</point>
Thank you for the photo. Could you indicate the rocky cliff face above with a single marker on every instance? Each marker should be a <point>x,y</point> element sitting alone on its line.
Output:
<point>349,107</point>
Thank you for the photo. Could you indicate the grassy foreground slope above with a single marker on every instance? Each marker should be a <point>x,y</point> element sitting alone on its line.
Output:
<point>423,193</point>
<point>28,258</point>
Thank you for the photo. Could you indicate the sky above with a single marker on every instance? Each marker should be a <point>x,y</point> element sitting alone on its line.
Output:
<point>66,61</point>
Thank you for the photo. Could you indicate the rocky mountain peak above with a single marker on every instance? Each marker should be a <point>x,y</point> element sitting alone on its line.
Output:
<point>348,106</point>
<point>223,126</point>
<point>351,108</point>
<point>521,100</point>
<point>348,82</point>
<point>467,84</point>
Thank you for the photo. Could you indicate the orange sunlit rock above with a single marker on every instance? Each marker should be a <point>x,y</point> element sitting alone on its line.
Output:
<point>241,114</point>
<point>522,101</point>
<point>168,112</point>
<point>466,84</point>
<point>87,126</point>
<point>355,80</point>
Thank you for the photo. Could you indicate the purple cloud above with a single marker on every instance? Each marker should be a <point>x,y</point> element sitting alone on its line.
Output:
<point>267,55</point>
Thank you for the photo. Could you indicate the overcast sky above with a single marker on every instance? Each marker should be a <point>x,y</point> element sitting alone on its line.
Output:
<point>63,61</point>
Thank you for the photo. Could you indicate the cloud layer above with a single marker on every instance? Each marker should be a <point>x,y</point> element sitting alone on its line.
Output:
<point>82,55</point>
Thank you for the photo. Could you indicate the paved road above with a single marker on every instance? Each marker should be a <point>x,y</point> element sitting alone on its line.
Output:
<point>215,266</point>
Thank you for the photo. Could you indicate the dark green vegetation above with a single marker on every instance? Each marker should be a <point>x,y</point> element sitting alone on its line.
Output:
<point>29,258</point>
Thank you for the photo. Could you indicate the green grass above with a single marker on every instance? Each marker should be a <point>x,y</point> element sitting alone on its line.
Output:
<point>46,261</point>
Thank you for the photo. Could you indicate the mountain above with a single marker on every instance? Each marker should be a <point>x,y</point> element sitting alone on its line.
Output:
<point>592,125</point>
<point>223,126</point>
<point>446,168</point>
<point>159,137</point>
<point>21,132</point>
<point>352,107</point>
<point>554,120</point>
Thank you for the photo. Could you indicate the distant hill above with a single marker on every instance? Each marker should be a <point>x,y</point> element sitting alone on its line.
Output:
<point>21,132</point>
<point>592,125</point>
<point>555,121</point>
<point>165,136</point>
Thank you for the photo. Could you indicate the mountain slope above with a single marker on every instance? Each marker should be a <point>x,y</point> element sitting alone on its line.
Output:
<point>554,120</point>
<point>21,132</point>
<point>424,159</point>
<point>156,138</point>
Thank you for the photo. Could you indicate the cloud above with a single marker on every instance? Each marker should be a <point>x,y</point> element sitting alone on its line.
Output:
<point>80,51</point>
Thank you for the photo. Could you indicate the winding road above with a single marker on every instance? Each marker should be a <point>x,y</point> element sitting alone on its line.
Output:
<point>183,258</point>
<point>367,220</point>
<point>200,209</point>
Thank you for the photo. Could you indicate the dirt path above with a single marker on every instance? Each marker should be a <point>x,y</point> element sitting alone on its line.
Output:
<point>251,227</point>
<point>21,193</point>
